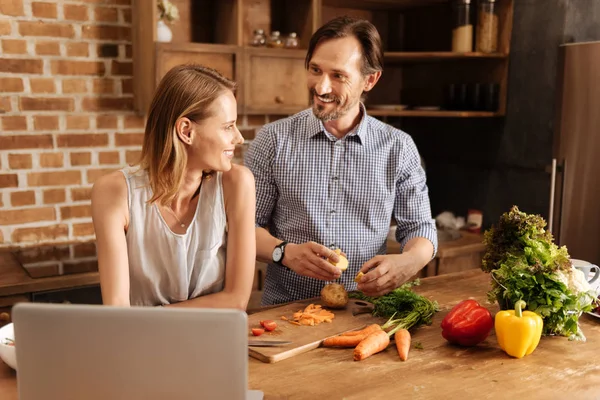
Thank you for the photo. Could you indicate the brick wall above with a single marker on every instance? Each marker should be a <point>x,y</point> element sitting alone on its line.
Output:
<point>66,92</point>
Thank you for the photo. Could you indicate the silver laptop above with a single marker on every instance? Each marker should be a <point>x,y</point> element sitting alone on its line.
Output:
<point>97,352</point>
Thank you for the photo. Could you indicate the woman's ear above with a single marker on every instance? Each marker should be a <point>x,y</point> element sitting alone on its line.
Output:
<point>183,127</point>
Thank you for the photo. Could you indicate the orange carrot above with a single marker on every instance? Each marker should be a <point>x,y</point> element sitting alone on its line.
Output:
<point>369,329</point>
<point>402,337</point>
<point>343,341</point>
<point>374,343</point>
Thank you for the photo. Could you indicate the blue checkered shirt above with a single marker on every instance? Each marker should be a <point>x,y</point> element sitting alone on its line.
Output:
<point>341,193</point>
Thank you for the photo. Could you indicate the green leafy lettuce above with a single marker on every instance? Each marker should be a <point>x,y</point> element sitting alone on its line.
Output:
<point>526,264</point>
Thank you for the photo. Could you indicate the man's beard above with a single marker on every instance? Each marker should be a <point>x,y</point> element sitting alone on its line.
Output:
<point>338,111</point>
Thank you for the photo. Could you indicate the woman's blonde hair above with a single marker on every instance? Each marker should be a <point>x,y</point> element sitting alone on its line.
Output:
<point>185,91</point>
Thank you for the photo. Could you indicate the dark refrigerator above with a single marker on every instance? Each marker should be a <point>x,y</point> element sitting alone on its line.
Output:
<point>574,215</point>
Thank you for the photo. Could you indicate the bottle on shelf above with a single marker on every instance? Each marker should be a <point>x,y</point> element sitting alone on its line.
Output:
<point>487,27</point>
<point>291,42</point>
<point>275,40</point>
<point>259,39</point>
<point>462,32</point>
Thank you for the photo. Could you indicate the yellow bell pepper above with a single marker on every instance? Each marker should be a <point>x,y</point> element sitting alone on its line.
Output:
<point>518,331</point>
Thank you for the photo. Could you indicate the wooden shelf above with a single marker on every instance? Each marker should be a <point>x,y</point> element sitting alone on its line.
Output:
<point>440,56</point>
<point>435,114</point>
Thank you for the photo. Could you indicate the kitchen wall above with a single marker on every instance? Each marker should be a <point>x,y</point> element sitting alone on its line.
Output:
<point>491,164</point>
<point>66,89</point>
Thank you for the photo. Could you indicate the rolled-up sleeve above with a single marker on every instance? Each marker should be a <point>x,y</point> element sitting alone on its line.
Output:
<point>259,159</point>
<point>412,210</point>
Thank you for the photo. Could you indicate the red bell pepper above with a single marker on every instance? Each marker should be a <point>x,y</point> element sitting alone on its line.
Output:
<point>467,324</point>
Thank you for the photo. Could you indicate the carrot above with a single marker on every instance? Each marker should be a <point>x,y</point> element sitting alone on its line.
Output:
<point>402,338</point>
<point>369,329</point>
<point>343,341</point>
<point>372,344</point>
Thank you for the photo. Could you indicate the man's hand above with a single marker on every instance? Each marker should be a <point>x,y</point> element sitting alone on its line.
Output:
<point>386,273</point>
<point>311,259</point>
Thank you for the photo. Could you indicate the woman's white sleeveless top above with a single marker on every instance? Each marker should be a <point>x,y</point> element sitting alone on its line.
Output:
<point>166,267</point>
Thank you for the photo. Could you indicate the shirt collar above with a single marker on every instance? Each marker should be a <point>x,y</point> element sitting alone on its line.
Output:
<point>315,125</point>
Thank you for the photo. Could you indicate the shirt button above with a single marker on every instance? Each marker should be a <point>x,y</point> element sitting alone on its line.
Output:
<point>338,143</point>
<point>335,178</point>
<point>332,211</point>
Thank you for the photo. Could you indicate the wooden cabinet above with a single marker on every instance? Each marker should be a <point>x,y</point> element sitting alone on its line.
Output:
<point>274,80</point>
<point>420,67</point>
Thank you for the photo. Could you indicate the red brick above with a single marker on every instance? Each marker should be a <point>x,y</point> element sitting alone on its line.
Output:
<point>78,122</point>
<point>126,15</point>
<point>114,2</point>
<point>14,123</point>
<point>75,12</point>
<point>12,7</point>
<point>106,32</point>
<point>106,14</point>
<point>70,67</point>
<point>69,212</point>
<point>43,233</point>
<point>107,103</point>
<point>80,49</point>
<point>42,85</point>
<point>51,160</point>
<point>93,174</point>
<point>132,157</point>
<point>78,159</point>
<point>81,250</point>
<point>45,122</point>
<point>25,142</point>
<point>74,86</point>
<point>46,104</point>
<point>43,271</point>
<point>22,198</point>
<point>54,178</point>
<point>133,121</point>
<point>11,85</point>
<point>82,140</point>
<point>19,161</point>
<point>9,180</point>
<point>21,66</point>
<point>81,194</point>
<point>129,139</point>
<point>106,122</point>
<point>127,86</point>
<point>109,157</point>
<point>23,216</point>
<point>50,29</point>
<point>5,105</point>
<point>104,86</point>
<point>43,10</point>
<point>54,196</point>
<point>14,46</point>
<point>47,48</point>
<point>34,255</point>
<point>121,68</point>
<point>107,50</point>
<point>85,229</point>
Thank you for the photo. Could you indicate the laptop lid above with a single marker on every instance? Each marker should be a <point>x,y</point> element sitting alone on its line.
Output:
<point>101,352</point>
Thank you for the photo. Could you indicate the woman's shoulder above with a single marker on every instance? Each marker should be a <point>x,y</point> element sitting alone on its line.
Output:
<point>238,182</point>
<point>110,187</point>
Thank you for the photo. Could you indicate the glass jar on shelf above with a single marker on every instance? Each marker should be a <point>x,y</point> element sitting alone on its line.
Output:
<point>259,39</point>
<point>275,40</point>
<point>291,42</point>
<point>487,27</point>
<point>462,31</point>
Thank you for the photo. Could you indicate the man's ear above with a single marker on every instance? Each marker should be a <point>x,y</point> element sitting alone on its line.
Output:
<point>183,127</point>
<point>371,80</point>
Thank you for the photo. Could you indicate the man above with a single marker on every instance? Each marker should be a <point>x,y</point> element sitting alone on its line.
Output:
<point>333,177</point>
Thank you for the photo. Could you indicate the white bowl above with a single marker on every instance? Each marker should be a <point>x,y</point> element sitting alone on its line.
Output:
<point>8,354</point>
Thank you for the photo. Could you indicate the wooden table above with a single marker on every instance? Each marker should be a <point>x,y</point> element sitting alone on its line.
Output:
<point>557,369</point>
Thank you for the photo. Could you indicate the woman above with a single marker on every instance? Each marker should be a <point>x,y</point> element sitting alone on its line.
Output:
<point>178,229</point>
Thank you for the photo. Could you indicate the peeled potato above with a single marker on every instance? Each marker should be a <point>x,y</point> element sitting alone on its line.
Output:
<point>334,295</point>
<point>343,263</point>
<point>358,276</point>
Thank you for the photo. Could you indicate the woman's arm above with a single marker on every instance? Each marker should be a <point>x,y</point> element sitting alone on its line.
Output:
<point>240,205</point>
<point>110,215</point>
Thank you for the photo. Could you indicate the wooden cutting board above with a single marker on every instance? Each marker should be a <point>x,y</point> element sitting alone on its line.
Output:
<point>303,338</point>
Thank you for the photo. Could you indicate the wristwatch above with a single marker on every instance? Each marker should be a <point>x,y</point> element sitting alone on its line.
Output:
<point>278,253</point>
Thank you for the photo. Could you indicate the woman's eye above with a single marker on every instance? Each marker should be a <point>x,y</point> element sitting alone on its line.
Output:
<point>229,127</point>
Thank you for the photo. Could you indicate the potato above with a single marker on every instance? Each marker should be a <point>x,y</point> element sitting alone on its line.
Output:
<point>334,295</point>
<point>343,263</point>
